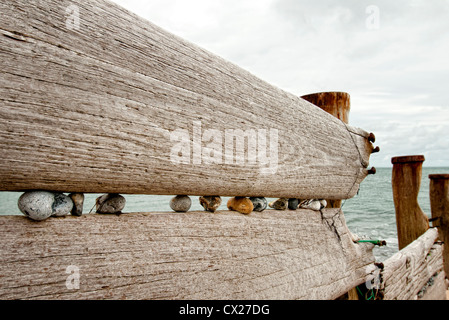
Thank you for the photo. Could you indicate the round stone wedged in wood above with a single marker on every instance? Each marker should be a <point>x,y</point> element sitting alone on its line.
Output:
<point>110,203</point>
<point>293,203</point>
<point>62,205</point>
<point>78,203</point>
<point>240,204</point>
<point>180,203</point>
<point>210,203</point>
<point>312,204</point>
<point>37,205</point>
<point>279,204</point>
<point>259,203</point>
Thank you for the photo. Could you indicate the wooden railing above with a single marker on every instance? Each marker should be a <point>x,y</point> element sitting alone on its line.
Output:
<point>111,103</point>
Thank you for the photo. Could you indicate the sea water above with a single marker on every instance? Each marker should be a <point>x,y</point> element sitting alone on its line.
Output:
<point>369,214</point>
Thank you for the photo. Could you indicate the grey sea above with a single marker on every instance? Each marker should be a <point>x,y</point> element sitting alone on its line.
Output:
<point>369,214</point>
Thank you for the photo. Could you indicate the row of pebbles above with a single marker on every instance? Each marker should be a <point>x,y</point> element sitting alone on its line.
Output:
<point>40,205</point>
<point>246,205</point>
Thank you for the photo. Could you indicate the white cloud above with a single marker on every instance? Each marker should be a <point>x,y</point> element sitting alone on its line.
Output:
<point>397,75</point>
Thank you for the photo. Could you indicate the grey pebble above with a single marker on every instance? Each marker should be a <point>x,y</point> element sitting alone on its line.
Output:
<point>181,203</point>
<point>259,203</point>
<point>110,203</point>
<point>62,205</point>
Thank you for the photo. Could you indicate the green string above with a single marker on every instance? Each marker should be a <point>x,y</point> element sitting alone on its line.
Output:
<point>375,242</point>
<point>372,297</point>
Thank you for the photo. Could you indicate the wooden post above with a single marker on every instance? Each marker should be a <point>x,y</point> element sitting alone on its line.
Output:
<point>406,180</point>
<point>439,206</point>
<point>337,104</point>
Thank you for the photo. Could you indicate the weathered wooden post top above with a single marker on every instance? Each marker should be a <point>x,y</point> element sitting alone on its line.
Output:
<point>337,104</point>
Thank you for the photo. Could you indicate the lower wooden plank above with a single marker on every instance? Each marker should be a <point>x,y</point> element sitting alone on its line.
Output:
<point>300,254</point>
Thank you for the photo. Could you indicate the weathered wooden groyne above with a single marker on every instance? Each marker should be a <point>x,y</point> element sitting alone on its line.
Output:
<point>95,99</point>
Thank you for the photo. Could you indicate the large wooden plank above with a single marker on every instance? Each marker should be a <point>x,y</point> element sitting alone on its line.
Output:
<point>99,108</point>
<point>406,275</point>
<point>195,255</point>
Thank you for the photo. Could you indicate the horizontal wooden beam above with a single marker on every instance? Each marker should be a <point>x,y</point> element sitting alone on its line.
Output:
<point>96,99</point>
<point>415,272</point>
<point>197,255</point>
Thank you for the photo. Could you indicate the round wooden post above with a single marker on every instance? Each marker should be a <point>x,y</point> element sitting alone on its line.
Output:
<point>439,206</point>
<point>337,104</point>
<point>406,180</point>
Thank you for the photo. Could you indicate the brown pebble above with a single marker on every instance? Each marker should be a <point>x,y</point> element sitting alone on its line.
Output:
<point>279,204</point>
<point>241,204</point>
<point>210,203</point>
<point>111,203</point>
<point>78,202</point>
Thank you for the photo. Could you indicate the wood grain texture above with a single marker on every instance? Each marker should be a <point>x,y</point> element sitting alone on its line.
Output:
<point>195,255</point>
<point>91,109</point>
<point>411,221</point>
<point>436,291</point>
<point>337,104</point>
<point>407,272</point>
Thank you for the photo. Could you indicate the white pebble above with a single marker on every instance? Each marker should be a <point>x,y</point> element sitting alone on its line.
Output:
<point>37,205</point>
<point>323,203</point>
<point>62,205</point>
<point>312,205</point>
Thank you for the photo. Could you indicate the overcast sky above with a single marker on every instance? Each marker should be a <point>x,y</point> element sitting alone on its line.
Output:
<point>392,57</point>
